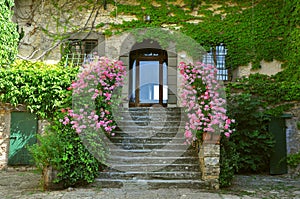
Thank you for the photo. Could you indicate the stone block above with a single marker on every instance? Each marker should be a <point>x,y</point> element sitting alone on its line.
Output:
<point>211,150</point>
<point>172,61</point>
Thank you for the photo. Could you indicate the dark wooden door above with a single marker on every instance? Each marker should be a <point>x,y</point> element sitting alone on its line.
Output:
<point>278,164</point>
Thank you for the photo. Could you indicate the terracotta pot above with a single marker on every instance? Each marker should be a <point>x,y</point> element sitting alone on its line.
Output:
<point>211,138</point>
<point>49,175</point>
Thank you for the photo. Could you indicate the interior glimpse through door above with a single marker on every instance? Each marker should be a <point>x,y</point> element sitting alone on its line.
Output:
<point>148,78</point>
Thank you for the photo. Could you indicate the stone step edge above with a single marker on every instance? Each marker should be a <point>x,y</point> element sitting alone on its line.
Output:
<point>152,150</point>
<point>145,181</point>
<point>151,165</point>
<point>151,157</point>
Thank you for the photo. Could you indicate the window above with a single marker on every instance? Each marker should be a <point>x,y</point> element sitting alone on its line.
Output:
<point>80,51</point>
<point>217,56</point>
<point>148,76</point>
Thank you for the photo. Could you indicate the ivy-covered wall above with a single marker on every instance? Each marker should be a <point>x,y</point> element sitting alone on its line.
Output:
<point>252,30</point>
<point>255,32</point>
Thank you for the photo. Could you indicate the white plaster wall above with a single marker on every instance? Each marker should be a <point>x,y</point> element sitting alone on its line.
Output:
<point>267,68</point>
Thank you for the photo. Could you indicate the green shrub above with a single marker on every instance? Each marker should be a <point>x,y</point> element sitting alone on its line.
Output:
<point>293,160</point>
<point>228,161</point>
<point>9,36</point>
<point>43,88</point>
<point>64,150</point>
<point>252,140</point>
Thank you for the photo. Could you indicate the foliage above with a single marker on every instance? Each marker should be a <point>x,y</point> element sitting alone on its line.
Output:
<point>65,151</point>
<point>202,96</point>
<point>252,140</point>
<point>229,161</point>
<point>252,30</point>
<point>293,160</point>
<point>9,36</point>
<point>42,88</point>
<point>47,151</point>
<point>74,145</point>
<point>275,94</point>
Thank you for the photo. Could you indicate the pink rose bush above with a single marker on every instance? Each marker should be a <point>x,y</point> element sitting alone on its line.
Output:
<point>93,95</point>
<point>204,100</point>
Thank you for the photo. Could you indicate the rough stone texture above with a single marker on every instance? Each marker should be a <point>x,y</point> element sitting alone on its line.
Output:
<point>293,136</point>
<point>267,68</point>
<point>4,138</point>
<point>42,126</point>
<point>26,185</point>
<point>209,159</point>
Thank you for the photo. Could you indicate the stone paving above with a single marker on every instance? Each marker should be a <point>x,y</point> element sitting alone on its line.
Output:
<point>25,185</point>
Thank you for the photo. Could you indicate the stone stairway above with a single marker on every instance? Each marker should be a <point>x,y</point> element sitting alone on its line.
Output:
<point>148,149</point>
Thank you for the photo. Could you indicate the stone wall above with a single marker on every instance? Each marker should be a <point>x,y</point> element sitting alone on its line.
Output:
<point>267,68</point>
<point>209,161</point>
<point>293,136</point>
<point>4,138</point>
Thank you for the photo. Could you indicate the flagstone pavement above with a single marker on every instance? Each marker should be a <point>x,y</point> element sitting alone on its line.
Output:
<point>26,184</point>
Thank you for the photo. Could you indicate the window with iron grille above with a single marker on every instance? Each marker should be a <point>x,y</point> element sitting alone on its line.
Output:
<point>217,57</point>
<point>80,51</point>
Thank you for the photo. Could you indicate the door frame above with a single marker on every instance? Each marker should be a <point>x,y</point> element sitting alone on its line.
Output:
<point>145,55</point>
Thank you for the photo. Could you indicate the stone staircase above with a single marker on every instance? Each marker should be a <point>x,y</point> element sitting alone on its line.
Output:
<point>148,149</point>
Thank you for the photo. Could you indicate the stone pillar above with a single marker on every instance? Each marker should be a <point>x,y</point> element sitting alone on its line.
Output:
<point>42,125</point>
<point>209,157</point>
<point>4,137</point>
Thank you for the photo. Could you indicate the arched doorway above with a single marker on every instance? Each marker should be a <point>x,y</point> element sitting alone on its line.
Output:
<point>148,77</point>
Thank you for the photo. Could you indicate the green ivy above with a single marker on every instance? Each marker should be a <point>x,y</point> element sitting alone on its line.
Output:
<point>42,88</point>
<point>229,161</point>
<point>293,160</point>
<point>252,30</point>
<point>252,141</point>
<point>276,93</point>
<point>63,149</point>
<point>9,36</point>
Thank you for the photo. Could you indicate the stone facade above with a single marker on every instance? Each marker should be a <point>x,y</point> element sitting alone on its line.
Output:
<point>35,18</point>
<point>293,136</point>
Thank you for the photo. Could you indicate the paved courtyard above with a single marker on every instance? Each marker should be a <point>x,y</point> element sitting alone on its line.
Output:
<point>17,184</point>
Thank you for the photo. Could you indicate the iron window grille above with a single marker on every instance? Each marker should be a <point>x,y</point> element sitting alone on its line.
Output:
<point>79,52</point>
<point>217,57</point>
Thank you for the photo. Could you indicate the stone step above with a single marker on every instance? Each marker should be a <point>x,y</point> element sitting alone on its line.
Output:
<point>148,114</point>
<point>150,175</point>
<point>160,152</point>
<point>144,140</point>
<point>167,166</point>
<point>150,183</point>
<point>128,145</point>
<point>150,160</point>
<point>145,130</point>
<point>149,149</point>
<point>143,110</point>
<point>142,124</point>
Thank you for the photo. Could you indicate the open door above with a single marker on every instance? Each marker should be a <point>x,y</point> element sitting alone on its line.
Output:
<point>148,78</point>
